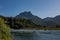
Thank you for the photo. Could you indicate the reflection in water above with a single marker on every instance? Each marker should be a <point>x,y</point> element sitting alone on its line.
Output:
<point>35,35</point>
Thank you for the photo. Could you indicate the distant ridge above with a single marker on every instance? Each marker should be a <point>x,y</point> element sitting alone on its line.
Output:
<point>55,19</point>
<point>39,21</point>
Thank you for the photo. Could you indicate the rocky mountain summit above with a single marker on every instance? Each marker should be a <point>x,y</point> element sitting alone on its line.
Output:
<point>39,21</point>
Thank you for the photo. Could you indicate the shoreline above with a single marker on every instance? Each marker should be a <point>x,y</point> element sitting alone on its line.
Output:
<point>40,28</point>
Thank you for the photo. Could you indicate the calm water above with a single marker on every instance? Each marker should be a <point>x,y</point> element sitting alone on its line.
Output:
<point>35,34</point>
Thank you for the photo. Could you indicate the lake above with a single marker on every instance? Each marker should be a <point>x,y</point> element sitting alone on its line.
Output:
<point>35,34</point>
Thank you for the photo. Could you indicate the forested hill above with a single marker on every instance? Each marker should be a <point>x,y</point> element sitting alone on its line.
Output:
<point>19,23</point>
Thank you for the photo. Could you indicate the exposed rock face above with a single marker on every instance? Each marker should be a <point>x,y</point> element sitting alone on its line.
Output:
<point>26,15</point>
<point>54,19</point>
<point>43,22</point>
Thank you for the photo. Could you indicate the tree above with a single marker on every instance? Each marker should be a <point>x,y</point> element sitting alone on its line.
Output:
<point>57,26</point>
<point>4,31</point>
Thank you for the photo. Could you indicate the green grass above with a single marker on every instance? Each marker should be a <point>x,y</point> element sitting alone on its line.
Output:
<point>41,28</point>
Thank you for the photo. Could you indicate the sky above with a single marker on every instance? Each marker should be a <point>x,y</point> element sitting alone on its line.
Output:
<point>40,8</point>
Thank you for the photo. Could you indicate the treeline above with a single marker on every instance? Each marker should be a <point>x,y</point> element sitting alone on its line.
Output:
<point>19,23</point>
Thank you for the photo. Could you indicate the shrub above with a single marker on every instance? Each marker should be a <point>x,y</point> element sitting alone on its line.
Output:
<point>4,31</point>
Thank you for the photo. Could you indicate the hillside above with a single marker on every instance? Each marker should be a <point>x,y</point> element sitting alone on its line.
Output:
<point>37,20</point>
<point>27,24</point>
<point>55,19</point>
<point>19,23</point>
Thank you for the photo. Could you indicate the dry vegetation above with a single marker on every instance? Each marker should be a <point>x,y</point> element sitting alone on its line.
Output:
<point>4,31</point>
<point>41,28</point>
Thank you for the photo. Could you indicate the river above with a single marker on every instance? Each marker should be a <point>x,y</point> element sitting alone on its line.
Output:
<point>35,34</point>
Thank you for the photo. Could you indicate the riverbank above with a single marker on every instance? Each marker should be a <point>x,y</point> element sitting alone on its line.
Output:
<point>42,28</point>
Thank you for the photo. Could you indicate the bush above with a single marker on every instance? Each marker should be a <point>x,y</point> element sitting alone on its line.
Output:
<point>4,31</point>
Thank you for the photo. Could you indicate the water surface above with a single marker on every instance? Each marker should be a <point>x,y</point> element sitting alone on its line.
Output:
<point>35,34</point>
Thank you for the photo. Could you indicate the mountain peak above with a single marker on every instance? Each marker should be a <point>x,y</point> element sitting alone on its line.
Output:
<point>25,14</point>
<point>49,21</point>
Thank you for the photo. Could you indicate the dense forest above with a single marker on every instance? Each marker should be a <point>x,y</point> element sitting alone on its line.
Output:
<point>18,23</point>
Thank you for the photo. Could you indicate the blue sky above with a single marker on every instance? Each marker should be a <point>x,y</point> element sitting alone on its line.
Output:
<point>41,8</point>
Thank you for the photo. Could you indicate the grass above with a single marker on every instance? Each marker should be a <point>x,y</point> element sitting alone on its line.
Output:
<point>41,28</point>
